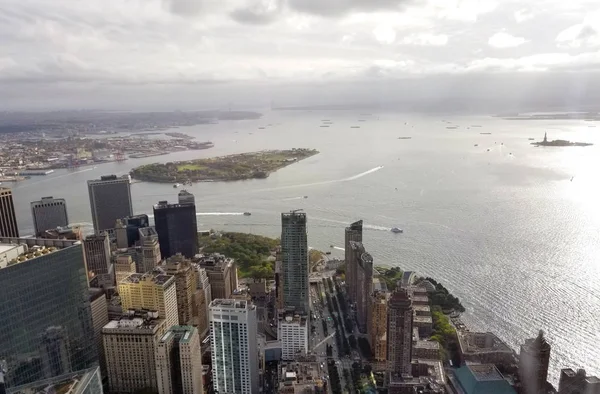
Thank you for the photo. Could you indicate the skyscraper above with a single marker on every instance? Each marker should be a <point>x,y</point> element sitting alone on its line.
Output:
<point>378,325</point>
<point>363,268</point>
<point>352,233</point>
<point>97,254</point>
<point>151,256</point>
<point>219,269</point>
<point>49,213</point>
<point>294,252</point>
<point>185,285</point>
<point>186,197</point>
<point>234,351</point>
<point>110,199</point>
<point>534,359</point>
<point>179,361</point>
<point>8,218</point>
<point>399,333</point>
<point>127,230</point>
<point>177,229</point>
<point>46,321</point>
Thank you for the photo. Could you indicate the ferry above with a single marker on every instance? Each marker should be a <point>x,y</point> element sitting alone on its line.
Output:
<point>397,230</point>
<point>175,186</point>
<point>247,214</point>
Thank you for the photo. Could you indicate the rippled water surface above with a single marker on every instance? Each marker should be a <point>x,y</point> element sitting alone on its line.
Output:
<point>513,230</point>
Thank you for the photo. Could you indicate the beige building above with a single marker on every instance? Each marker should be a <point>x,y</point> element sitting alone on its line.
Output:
<point>124,266</point>
<point>130,346</point>
<point>202,298</point>
<point>153,291</point>
<point>220,271</point>
<point>378,325</point>
<point>151,256</point>
<point>185,283</point>
<point>99,307</point>
<point>178,359</point>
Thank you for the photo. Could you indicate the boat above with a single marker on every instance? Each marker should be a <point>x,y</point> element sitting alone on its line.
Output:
<point>355,127</point>
<point>397,230</point>
<point>305,196</point>
<point>331,246</point>
<point>175,186</point>
<point>328,252</point>
<point>476,145</point>
<point>247,214</point>
<point>325,126</point>
<point>261,128</point>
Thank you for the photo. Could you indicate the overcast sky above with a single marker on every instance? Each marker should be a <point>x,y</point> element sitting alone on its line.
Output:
<point>89,53</point>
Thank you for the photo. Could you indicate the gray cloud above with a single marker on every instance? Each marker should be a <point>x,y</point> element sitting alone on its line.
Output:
<point>259,12</point>
<point>185,7</point>
<point>332,8</point>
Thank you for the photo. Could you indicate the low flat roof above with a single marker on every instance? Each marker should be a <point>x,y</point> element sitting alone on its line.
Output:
<point>7,247</point>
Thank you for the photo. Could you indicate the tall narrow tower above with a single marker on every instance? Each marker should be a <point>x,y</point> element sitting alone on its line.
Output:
<point>8,218</point>
<point>399,332</point>
<point>352,233</point>
<point>110,199</point>
<point>294,252</point>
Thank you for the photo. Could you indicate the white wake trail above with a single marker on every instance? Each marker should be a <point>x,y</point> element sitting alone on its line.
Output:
<point>372,170</point>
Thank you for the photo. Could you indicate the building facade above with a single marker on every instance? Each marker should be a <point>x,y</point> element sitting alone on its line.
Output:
<point>294,262</point>
<point>292,332</point>
<point>46,325</point>
<point>87,381</point>
<point>48,214</point>
<point>177,229</point>
<point>127,230</point>
<point>378,325</point>
<point>534,360</point>
<point>352,233</point>
<point>8,217</point>
<point>99,307</point>
<point>363,283</point>
<point>124,266</point>
<point>399,331</point>
<point>150,250</point>
<point>579,382</point>
<point>234,351</point>
<point>130,346</point>
<point>185,285</point>
<point>110,199</point>
<point>202,298</point>
<point>219,270</point>
<point>97,254</point>
<point>153,291</point>
<point>178,361</point>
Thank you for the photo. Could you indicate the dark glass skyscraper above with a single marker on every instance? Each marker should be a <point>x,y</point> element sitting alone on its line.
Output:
<point>110,199</point>
<point>48,214</point>
<point>8,218</point>
<point>177,229</point>
<point>352,233</point>
<point>294,261</point>
<point>46,324</point>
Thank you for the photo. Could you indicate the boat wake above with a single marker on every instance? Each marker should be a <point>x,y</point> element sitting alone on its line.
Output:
<point>372,170</point>
<point>213,214</point>
<point>338,248</point>
<point>366,226</point>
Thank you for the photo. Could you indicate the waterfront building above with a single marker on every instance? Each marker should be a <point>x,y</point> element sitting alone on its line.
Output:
<point>177,229</point>
<point>234,351</point>
<point>484,348</point>
<point>46,325</point>
<point>220,274</point>
<point>153,291</point>
<point>110,199</point>
<point>97,254</point>
<point>48,214</point>
<point>130,346</point>
<point>480,379</point>
<point>178,361</point>
<point>87,381</point>
<point>353,233</point>
<point>378,325</point>
<point>399,331</point>
<point>572,382</point>
<point>99,308</point>
<point>8,217</point>
<point>363,279</point>
<point>294,261</point>
<point>127,230</point>
<point>534,359</point>
<point>292,332</point>
<point>150,250</point>
<point>185,285</point>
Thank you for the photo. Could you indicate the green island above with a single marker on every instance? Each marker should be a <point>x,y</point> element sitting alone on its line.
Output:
<point>254,254</point>
<point>252,165</point>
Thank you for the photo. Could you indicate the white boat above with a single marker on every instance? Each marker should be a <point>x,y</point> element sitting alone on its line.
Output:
<point>176,185</point>
<point>397,230</point>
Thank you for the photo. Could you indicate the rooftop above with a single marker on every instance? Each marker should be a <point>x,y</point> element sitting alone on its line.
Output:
<point>159,279</point>
<point>183,332</point>
<point>426,345</point>
<point>135,321</point>
<point>481,379</point>
<point>228,303</point>
<point>481,342</point>
<point>32,248</point>
<point>72,383</point>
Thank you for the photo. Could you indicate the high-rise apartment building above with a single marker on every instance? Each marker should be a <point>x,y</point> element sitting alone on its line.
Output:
<point>150,249</point>
<point>185,285</point>
<point>292,332</point>
<point>97,254</point>
<point>399,333</point>
<point>363,283</point>
<point>294,262</point>
<point>153,291</point>
<point>352,233</point>
<point>234,351</point>
<point>219,270</point>
<point>130,346</point>
<point>49,213</point>
<point>46,324</point>
<point>99,307</point>
<point>110,199</point>
<point>378,325</point>
<point>8,217</point>
<point>179,362</point>
<point>177,229</point>
<point>534,359</point>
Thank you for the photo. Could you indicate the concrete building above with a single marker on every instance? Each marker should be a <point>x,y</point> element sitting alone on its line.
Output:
<point>234,349</point>
<point>44,293</point>
<point>110,199</point>
<point>185,284</point>
<point>220,271</point>
<point>179,362</point>
<point>202,298</point>
<point>185,197</point>
<point>99,307</point>
<point>177,229</point>
<point>353,233</point>
<point>378,325</point>
<point>399,331</point>
<point>97,257</point>
<point>294,261</point>
<point>363,283</point>
<point>49,213</point>
<point>127,230</point>
<point>292,332</point>
<point>130,346</point>
<point>572,382</point>
<point>8,217</point>
<point>484,348</point>
<point>153,291</point>
<point>150,250</point>
<point>427,350</point>
<point>68,232</point>
<point>87,381</point>
<point>480,379</point>
<point>534,359</point>
<point>124,266</point>
<point>301,378</point>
